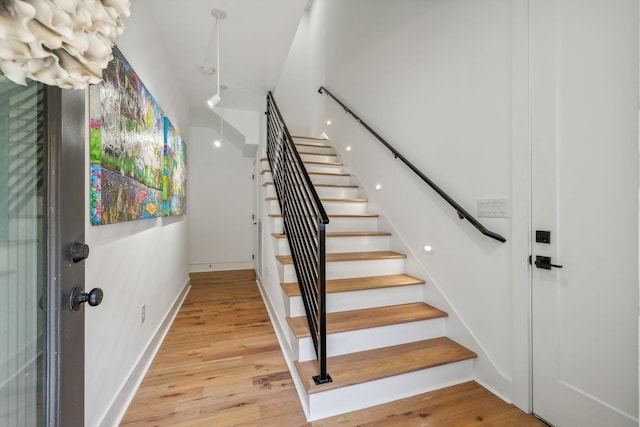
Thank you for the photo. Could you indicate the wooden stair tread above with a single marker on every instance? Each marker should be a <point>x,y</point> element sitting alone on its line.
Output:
<point>321,185</point>
<point>306,162</point>
<point>292,289</point>
<point>353,320</point>
<point>344,200</point>
<point>317,154</point>
<point>350,256</point>
<point>344,234</point>
<point>310,138</point>
<point>323,163</point>
<point>313,173</point>
<point>316,145</point>
<point>365,215</point>
<point>337,215</point>
<point>370,365</point>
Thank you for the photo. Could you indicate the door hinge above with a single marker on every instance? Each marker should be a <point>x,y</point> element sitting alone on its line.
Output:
<point>253,176</point>
<point>253,256</point>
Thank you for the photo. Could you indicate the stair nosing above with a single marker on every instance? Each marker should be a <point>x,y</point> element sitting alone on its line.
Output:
<point>336,234</point>
<point>264,159</point>
<point>310,138</point>
<point>306,153</point>
<point>314,173</point>
<point>354,284</point>
<point>370,366</point>
<point>366,215</point>
<point>350,257</point>
<point>321,185</point>
<point>329,199</point>
<point>302,144</point>
<point>342,321</point>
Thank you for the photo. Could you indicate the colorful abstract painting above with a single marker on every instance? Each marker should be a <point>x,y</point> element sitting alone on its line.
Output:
<point>174,189</point>
<point>127,147</point>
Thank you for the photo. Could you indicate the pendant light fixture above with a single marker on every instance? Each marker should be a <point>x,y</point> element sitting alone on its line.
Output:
<point>216,98</point>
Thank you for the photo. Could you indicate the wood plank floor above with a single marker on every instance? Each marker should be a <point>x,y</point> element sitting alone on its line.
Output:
<point>220,365</point>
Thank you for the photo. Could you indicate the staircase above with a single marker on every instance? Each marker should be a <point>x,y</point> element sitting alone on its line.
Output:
<point>383,342</point>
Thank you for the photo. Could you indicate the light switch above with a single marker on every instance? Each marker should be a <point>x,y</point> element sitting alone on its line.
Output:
<point>493,208</point>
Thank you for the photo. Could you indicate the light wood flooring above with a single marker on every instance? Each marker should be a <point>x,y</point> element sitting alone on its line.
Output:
<point>221,365</point>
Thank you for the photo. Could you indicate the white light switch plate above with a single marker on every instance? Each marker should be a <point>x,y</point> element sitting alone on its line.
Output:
<point>494,208</point>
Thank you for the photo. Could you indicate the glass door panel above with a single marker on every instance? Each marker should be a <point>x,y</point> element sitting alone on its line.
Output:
<point>22,253</point>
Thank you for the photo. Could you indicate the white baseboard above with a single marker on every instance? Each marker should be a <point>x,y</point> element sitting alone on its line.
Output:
<point>221,266</point>
<point>121,403</point>
<point>302,396</point>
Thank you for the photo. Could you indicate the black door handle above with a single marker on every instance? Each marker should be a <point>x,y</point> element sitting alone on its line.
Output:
<point>77,297</point>
<point>544,262</point>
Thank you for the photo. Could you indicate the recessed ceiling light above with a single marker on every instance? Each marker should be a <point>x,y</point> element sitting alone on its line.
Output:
<point>378,187</point>
<point>328,122</point>
<point>348,148</point>
<point>217,143</point>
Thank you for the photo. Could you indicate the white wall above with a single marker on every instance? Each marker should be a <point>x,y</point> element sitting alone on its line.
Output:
<point>245,121</point>
<point>292,94</point>
<point>435,79</point>
<point>138,262</point>
<point>221,201</point>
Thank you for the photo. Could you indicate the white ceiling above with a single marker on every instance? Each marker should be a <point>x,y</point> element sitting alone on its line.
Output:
<point>255,39</point>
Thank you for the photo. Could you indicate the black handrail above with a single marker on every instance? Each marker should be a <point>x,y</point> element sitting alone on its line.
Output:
<point>463,214</point>
<point>304,220</point>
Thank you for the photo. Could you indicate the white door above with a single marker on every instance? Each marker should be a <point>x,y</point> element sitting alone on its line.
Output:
<point>584,123</point>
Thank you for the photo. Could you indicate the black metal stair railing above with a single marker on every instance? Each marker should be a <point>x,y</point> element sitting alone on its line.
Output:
<point>304,220</point>
<point>462,213</point>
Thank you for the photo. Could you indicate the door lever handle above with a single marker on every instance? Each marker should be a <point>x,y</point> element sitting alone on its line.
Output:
<point>544,262</point>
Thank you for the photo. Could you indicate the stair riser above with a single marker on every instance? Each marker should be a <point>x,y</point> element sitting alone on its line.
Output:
<point>318,158</point>
<point>346,269</point>
<point>331,179</point>
<point>324,192</point>
<point>346,244</point>
<point>368,339</point>
<point>330,207</point>
<point>320,149</point>
<point>317,179</point>
<point>359,396</point>
<point>337,224</point>
<point>357,300</point>
<point>323,168</point>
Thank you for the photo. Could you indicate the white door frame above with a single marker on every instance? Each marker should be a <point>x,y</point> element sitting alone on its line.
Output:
<point>522,395</point>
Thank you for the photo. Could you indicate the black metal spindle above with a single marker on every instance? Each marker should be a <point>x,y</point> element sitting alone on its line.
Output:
<point>304,220</point>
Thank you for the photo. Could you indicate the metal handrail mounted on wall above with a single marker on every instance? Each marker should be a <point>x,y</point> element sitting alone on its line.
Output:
<point>304,220</point>
<point>462,214</point>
